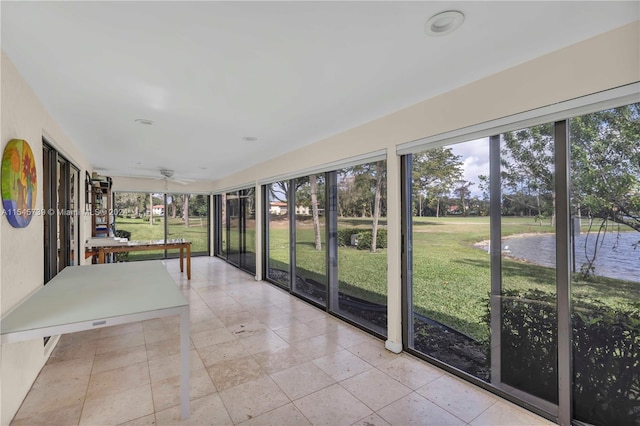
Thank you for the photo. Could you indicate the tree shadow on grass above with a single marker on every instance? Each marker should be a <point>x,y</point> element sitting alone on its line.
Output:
<point>310,244</point>
<point>542,277</point>
<point>421,224</point>
<point>366,222</point>
<point>539,275</point>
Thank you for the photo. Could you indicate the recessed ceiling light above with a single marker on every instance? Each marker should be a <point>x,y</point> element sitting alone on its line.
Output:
<point>444,23</point>
<point>144,121</point>
<point>249,139</point>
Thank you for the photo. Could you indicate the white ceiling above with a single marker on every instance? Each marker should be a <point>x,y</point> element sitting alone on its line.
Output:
<point>288,73</point>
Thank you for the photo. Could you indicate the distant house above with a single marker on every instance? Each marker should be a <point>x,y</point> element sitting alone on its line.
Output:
<point>278,208</point>
<point>302,210</point>
<point>158,210</point>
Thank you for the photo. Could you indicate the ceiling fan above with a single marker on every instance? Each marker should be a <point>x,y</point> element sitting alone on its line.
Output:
<point>168,174</point>
<point>165,174</point>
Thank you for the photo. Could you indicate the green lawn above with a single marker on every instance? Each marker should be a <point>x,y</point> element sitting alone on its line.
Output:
<point>451,280</point>
<point>451,277</point>
<point>360,273</point>
<point>141,230</point>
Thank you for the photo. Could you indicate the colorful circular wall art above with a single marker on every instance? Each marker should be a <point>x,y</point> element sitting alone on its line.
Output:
<point>19,183</point>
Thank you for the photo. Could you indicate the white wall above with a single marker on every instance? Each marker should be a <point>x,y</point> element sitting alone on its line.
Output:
<point>22,260</point>
<point>604,62</point>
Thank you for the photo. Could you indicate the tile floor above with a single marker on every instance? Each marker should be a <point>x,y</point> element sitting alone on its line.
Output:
<point>258,357</point>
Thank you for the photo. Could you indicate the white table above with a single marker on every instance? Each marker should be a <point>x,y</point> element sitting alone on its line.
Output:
<point>94,296</point>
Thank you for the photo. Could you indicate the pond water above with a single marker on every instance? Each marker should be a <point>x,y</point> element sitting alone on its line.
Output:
<point>616,256</point>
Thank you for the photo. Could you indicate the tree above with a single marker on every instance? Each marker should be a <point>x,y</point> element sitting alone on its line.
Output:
<point>605,154</point>
<point>185,209</point>
<point>361,192</point>
<point>174,209</point>
<point>463,192</point>
<point>435,172</point>
<point>313,182</point>
<point>380,170</point>
<point>279,191</point>
<point>150,209</point>
<point>132,202</point>
<point>199,206</point>
<point>605,170</point>
<point>527,160</point>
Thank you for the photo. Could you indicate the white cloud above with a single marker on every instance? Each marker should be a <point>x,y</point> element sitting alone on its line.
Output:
<point>475,157</point>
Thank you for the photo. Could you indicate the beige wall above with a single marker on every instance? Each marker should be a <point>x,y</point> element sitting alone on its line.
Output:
<point>22,260</point>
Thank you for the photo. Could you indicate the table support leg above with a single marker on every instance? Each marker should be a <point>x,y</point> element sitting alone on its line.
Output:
<point>184,363</point>
<point>101,256</point>
<point>181,258</point>
<point>188,261</point>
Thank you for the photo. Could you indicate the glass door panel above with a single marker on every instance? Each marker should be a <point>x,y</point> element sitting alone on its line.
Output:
<point>222,231</point>
<point>248,230</point>
<point>310,239</point>
<point>451,273</point>
<point>233,228</point>
<point>605,208</point>
<point>529,342</point>
<point>362,254</point>
<point>187,218</point>
<point>279,229</point>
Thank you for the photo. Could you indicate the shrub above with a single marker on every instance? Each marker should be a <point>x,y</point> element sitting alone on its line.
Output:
<point>364,238</point>
<point>344,236</point>
<point>606,354</point>
<point>606,360</point>
<point>530,343</point>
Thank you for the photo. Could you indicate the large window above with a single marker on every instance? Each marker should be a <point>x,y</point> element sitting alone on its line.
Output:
<point>605,212</point>
<point>328,231</point>
<point>61,201</point>
<point>528,318</point>
<point>162,217</point>
<point>361,287</point>
<point>236,228</point>
<point>60,191</point>
<point>278,235</point>
<point>310,238</point>
<point>451,275</point>
<point>187,217</point>
<point>522,264</point>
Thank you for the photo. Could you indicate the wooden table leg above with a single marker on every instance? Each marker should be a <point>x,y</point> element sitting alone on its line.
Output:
<point>181,257</point>
<point>101,255</point>
<point>189,261</point>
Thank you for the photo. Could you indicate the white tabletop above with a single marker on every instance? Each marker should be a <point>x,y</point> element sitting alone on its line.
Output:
<point>95,292</point>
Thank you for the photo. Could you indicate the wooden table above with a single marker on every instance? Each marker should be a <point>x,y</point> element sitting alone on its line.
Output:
<point>94,296</point>
<point>183,245</point>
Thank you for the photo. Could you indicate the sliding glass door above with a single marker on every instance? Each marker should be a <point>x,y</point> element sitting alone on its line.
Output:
<point>310,239</point>
<point>325,241</point>
<point>141,216</point>
<point>236,224</point>
<point>60,203</point>
<point>450,269</point>
<point>361,284</point>
<point>605,286</point>
<point>522,270</point>
<point>277,214</point>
